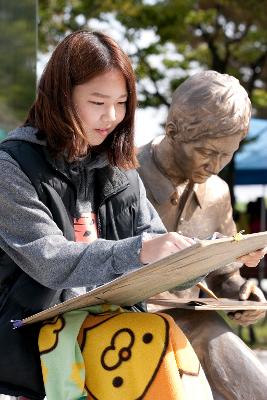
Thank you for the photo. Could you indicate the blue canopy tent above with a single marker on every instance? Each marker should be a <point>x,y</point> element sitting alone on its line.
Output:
<point>251,169</point>
<point>251,160</point>
<point>2,134</point>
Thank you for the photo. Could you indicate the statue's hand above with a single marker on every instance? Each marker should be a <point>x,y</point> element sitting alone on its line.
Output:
<point>249,291</point>
<point>252,259</point>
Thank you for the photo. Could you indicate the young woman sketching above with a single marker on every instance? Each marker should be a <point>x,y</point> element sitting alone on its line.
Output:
<point>74,213</point>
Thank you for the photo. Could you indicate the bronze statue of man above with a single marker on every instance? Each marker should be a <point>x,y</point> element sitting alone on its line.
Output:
<point>208,117</point>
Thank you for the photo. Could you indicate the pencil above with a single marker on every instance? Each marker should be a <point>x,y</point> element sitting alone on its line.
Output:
<point>206,290</point>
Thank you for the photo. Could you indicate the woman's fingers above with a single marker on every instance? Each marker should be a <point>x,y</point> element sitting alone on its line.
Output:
<point>161,246</point>
<point>181,242</point>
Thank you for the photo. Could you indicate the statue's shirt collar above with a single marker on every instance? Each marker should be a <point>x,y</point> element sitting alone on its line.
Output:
<point>161,187</point>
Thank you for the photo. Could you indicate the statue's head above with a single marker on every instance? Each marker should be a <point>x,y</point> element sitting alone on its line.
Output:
<point>208,117</point>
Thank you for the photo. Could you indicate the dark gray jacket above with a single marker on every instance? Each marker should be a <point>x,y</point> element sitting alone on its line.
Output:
<point>37,245</point>
<point>30,236</point>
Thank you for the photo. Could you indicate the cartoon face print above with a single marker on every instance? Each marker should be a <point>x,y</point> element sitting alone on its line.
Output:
<point>119,348</point>
<point>48,336</point>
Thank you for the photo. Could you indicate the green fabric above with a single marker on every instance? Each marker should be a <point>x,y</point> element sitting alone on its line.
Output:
<point>61,358</point>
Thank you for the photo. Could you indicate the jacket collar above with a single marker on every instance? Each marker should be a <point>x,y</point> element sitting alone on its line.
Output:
<point>109,181</point>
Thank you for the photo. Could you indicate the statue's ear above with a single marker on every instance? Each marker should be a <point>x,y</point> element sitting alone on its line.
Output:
<point>171,130</point>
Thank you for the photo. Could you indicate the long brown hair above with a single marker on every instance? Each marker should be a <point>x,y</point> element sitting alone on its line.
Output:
<point>81,56</point>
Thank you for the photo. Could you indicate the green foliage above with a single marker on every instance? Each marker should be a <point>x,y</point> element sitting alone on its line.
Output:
<point>225,35</point>
<point>17,60</point>
<point>259,97</point>
<point>204,18</point>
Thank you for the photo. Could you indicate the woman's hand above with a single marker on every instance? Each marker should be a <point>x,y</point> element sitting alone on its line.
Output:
<point>252,259</point>
<point>158,247</point>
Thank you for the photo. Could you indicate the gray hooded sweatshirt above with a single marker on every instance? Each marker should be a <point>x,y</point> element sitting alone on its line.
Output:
<point>31,238</point>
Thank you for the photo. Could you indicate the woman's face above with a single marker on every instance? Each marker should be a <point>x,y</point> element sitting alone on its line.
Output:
<point>101,104</point>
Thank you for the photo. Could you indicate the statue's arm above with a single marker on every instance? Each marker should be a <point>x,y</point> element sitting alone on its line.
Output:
<point>227,281</point>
